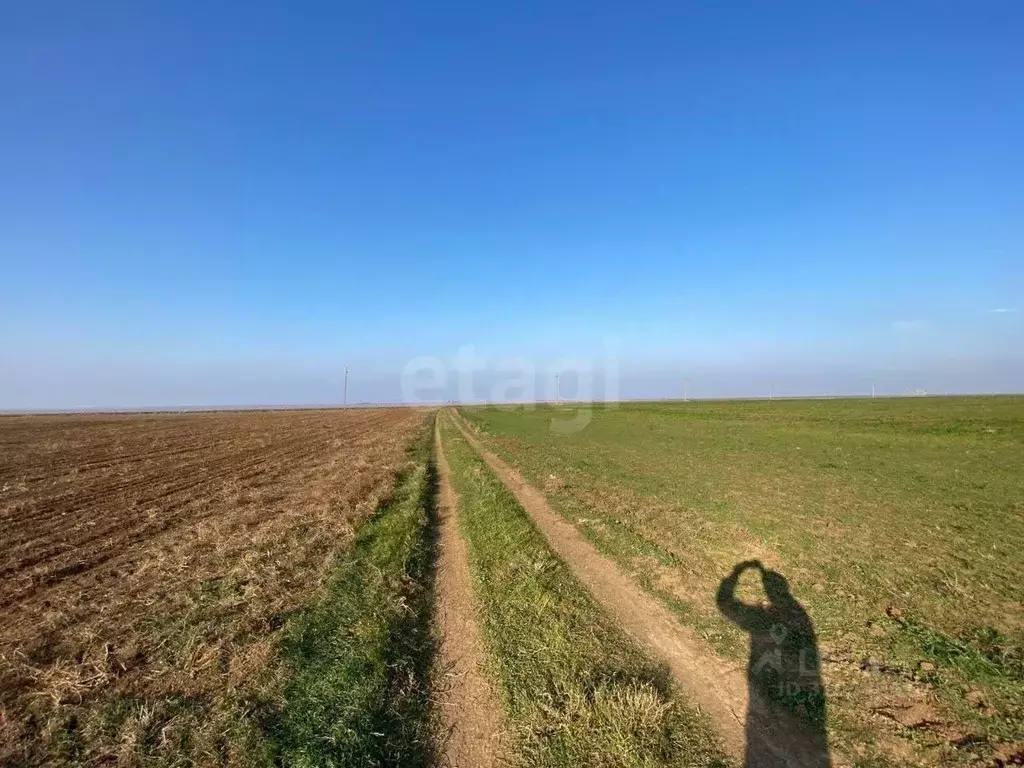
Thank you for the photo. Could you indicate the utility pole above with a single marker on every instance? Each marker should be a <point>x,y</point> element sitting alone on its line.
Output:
<point>872,391</point>
<point>686,398</point>
<point>344,396</point>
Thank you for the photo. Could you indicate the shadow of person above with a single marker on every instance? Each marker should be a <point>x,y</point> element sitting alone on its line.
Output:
<point>786,709</point>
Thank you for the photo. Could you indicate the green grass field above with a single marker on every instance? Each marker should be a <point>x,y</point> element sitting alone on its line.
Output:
<point>899,524</point>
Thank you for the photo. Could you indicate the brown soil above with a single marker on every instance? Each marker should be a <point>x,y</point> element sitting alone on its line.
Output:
<point>470,710</point>
<point>717,686</point>
<point>149,561</point>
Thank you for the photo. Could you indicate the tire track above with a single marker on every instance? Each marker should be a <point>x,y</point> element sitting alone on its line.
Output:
<point>470,710</point>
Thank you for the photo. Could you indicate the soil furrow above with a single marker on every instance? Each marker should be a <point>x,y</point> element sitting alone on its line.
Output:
<point>114,540</point>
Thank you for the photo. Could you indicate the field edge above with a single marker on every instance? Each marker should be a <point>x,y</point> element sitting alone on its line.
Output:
<point>358,659</point>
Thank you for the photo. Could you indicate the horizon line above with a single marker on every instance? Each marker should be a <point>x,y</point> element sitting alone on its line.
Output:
<point>188,409</point>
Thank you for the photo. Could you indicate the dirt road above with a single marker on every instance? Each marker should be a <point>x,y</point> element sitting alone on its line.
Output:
<point>470,710</point>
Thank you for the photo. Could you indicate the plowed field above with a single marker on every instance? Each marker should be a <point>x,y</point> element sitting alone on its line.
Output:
<point>149,560</point>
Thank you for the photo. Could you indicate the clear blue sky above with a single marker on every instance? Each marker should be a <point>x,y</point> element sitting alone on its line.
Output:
<point>229,202</point>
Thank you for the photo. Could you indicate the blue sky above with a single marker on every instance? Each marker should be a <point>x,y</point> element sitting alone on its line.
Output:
<point>214,203</point>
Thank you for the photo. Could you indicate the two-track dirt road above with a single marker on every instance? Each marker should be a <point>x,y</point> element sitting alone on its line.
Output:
<point>470,710</point>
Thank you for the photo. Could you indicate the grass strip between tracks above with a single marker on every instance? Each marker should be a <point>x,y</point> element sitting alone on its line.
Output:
<point>576,689</point>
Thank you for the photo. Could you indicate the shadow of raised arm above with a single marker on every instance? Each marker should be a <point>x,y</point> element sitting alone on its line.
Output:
<point>749,617</point>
